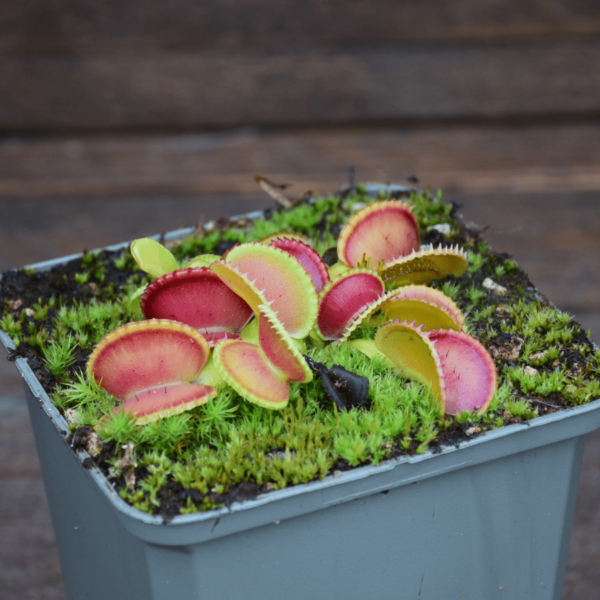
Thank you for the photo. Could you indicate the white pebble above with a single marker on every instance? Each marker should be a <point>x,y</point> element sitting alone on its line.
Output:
<point>443,228</point>
<point>494,287</point>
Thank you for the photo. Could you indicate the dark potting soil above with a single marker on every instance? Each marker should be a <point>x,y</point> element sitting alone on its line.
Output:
<point>22,289</point>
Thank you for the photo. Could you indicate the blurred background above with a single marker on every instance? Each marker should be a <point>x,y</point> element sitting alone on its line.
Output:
<point>127,118</point>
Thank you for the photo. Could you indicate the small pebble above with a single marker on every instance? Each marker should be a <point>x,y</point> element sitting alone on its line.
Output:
<point>15,304</point>
<point>473,430</point>
<point>531,371</point>
<point>494,287</point>
<point>443,228</point>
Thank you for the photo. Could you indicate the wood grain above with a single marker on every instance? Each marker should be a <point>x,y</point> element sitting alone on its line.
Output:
<point>554,238</point>
<point>466,159</point>
<point>210,89</point>
<point>76,27</point>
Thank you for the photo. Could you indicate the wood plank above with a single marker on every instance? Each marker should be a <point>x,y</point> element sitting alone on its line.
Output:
<point>485,159</point>
<point>554,238</point>
<point>210,89</point>
<point>33,230</point>
<point>582,576</point>
<point>29,561</point>
<point>86,27</point>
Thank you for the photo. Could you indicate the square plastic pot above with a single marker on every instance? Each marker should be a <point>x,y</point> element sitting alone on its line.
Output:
<point>490,518</point>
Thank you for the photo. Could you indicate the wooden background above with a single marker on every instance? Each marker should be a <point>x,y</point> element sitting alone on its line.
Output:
<point>84,65</point>
<point>123,118</point>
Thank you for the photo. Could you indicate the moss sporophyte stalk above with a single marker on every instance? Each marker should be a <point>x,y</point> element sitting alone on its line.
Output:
<point>337,332</point>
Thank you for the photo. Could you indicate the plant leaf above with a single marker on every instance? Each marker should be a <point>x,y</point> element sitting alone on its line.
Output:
<point>425,306</point>
<point>469,371</point>
<point>145,354</point>
<point>279,348</point>
<point>345,299</point>
<point>157,403</point>
<point>425,266</point>
<point>280,280</point>
<point>196,297</point>
<point>311,261</point>
<point>153,257</point>
<point>382,231</point>
<point>409,348</point>
<point>203,260</point>
<point>246,369</point>
<point>150,366</point>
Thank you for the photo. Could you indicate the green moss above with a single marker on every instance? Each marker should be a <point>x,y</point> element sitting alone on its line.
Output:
<point>60,355</point>
<point>11,327</point>
<point>543,383</point>
<point>303,219</point>
<point>476,261</point>
<point>90,323</point>
<point>120,427</point>
<point>520,409</point>
<point>450,288</point>
<point>475,294</point>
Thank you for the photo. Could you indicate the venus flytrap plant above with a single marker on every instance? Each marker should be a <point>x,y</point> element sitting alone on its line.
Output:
<point>221,314</point>
<point>278,280</point>
<point>152,257</point>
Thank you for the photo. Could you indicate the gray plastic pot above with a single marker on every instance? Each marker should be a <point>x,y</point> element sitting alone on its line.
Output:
<point>488,519</point>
